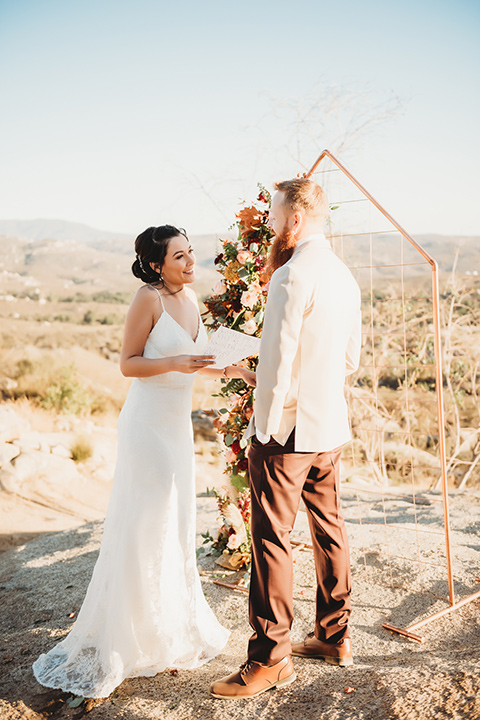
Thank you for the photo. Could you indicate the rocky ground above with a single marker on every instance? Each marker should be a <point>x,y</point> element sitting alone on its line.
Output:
<point>42,585</point>
<point>399,577</point>
<point>42,487</point>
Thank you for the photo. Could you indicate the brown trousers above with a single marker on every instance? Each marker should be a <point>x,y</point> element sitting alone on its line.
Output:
<point>279,477</point>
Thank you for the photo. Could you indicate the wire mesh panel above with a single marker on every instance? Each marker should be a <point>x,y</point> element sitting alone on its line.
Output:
<point>394,490</point>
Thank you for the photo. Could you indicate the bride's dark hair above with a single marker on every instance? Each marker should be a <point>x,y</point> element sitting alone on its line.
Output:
<point>151,247</point>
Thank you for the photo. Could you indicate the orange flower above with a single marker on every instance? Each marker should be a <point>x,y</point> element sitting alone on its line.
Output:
<point>231,271</point>
<point>249,218</point>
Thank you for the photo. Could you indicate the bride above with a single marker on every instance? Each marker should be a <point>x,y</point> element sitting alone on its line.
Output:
<point>144,609</point>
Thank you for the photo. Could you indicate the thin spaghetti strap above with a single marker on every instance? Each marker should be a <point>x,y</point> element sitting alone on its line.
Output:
<point>159,296</point>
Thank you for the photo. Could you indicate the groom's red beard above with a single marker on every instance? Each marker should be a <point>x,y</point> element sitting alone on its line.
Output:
<point>281,250</point>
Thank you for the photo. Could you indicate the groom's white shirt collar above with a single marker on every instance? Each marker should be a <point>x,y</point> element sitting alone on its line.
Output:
<point>317,237</point>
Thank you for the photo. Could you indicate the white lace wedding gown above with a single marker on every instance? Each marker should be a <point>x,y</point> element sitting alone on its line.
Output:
<point>144,609</point>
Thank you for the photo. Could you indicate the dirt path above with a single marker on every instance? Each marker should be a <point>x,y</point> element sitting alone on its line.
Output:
<point>42,583</point>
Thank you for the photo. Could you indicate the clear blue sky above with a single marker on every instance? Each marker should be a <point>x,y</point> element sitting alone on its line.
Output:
<point>122,114</point>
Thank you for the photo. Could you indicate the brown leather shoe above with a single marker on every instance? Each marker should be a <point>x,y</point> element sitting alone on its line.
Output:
<point>339,653</point>
<point>252,679</point>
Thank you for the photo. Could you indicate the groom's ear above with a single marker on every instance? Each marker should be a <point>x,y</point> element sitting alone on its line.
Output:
<point>297,221</point>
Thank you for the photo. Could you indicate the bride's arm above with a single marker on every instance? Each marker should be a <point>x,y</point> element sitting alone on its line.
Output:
<point>138,325</point>
<point>230,372</point>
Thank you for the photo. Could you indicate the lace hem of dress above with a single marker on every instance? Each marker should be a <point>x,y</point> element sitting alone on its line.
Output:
<point>89,678</point>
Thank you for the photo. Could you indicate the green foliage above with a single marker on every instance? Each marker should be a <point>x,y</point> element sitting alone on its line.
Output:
<point>110,319</point>
<point>65,394</point>
<point>77,298</point>
<point>113,297</point>
<point>240,482</point>
<point>81,449</point>
<point>23,294</point>
<point>75,701</point>
<point>24,367</point>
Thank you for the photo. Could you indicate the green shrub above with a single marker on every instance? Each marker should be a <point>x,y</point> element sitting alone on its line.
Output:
<point>112,297</point>
<point>24,367</point>
<point>81,449</point>
<point>77,298</point>
<point>65,394</point>
<point>110,319</point>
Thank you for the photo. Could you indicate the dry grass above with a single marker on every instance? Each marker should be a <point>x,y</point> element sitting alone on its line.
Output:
<point>73,368</point>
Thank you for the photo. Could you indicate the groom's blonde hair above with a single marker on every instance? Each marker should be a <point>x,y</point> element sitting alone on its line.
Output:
<point>304,194</point>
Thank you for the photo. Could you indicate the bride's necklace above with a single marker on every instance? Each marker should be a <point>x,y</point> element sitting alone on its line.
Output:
<point>165,286</point>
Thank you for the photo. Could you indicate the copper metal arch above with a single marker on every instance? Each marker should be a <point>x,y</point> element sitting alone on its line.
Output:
<point>409,631</point>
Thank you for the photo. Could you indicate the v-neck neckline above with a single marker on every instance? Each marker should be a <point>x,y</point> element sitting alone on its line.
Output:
<point>164,312</point>
<point>182,328</point>
<point>176,321</point>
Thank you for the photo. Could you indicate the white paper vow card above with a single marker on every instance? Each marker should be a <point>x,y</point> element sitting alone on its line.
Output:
<point>230,346</point>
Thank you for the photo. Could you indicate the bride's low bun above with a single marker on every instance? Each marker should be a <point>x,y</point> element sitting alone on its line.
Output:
<point>145,274</point>
<point>151,247</point>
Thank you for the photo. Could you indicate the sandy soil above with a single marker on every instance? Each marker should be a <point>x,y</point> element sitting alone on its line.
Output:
<point>43,582</point>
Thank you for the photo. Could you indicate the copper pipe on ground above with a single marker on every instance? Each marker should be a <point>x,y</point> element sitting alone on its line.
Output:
<point>230,586</point>
<point>407,632</point>
<point>404,632</point>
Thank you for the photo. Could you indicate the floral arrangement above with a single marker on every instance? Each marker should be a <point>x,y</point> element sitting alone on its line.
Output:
<point>238,302</point>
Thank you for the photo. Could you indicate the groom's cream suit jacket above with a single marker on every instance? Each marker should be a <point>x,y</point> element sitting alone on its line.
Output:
<point>311,340</point>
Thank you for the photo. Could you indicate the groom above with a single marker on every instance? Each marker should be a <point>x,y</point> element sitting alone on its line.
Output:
<point>311,340</point>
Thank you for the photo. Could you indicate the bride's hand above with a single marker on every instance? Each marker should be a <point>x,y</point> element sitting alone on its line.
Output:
<point>192,363</point>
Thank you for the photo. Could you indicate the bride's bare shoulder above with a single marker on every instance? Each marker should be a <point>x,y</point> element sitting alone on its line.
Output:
<point>147,291</point>
<point>146,298</point>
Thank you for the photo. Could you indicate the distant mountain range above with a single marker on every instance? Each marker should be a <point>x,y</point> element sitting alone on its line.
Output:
<point>45,229</point>
<point>441,247</point>
<point>64,258</point>
<point>103,240</point>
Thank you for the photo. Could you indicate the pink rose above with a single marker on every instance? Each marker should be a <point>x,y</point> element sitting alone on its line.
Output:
<point>249,298</point>
<point>249,327</point>
<point>243,256</point>
<point>219,288</point>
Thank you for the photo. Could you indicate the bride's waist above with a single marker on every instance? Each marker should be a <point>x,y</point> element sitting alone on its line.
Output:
<point>171,380</point>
